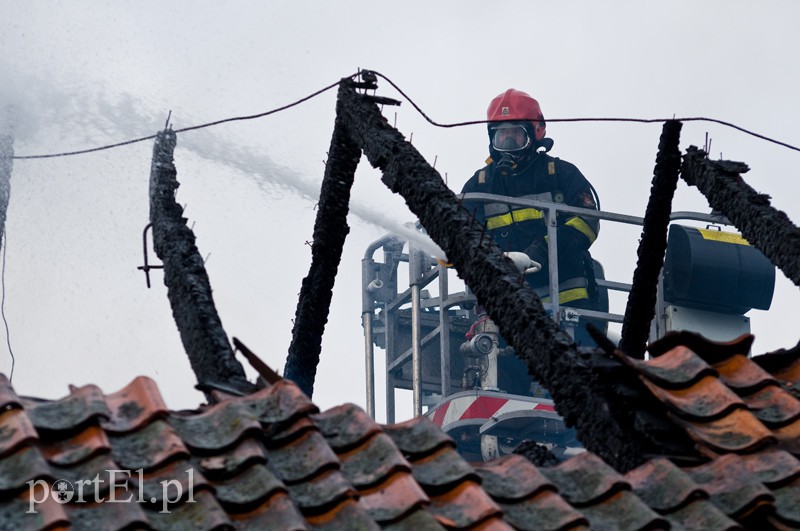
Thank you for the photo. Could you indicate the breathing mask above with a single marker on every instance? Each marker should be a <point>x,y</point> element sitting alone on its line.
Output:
<point>511,143</point>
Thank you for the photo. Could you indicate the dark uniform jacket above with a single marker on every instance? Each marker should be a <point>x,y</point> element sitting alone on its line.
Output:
<point>545,178</point>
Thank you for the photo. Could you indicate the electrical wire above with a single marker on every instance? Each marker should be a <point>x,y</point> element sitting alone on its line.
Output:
<point>4,243</point>
<point>638,120</point>
<point>190,128</point>
<point>421,112</point>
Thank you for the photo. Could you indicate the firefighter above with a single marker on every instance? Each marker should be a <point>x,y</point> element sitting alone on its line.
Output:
<point>519,166</point>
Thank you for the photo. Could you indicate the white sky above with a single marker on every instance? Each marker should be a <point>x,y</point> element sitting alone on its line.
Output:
<point>80,74</point>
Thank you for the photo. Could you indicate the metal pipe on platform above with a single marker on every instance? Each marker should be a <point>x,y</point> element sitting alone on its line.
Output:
<point>369,361</point>
<point>552,259</point>
<point>368,285</point>
<point>444,332</point>
<point>416,267</point>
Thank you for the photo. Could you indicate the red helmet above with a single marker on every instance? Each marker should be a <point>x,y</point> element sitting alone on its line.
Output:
<point>514,105</point>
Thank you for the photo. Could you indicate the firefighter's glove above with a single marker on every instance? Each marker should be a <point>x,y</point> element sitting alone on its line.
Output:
<point>523,262</point>
<point>538,251</point>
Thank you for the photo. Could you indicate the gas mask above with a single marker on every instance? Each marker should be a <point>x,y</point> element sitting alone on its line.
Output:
<point>511,143</point>
<point>505,166</point>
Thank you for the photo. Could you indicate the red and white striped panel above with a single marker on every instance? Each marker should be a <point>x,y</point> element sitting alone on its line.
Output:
<point>481,407</point>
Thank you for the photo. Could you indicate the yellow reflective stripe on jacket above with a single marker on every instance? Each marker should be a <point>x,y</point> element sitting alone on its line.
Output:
<point>570,295</point>
<point>527,214</point>
<point>582,227</point>
<point>515,216</point>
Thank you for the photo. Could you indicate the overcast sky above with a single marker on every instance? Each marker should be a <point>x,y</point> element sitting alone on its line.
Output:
<point>80,74</point>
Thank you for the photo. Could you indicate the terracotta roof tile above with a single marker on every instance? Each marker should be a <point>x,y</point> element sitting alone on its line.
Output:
<point>218,427</point>
<point>107,516</point>
<point>526,496</point>
<point>49,514</point>
<point>277,513</point>
<point>419,520</point>
<point>442,470</point>
<point>789,437</point>
<point>247,489</point>
<point>742,375</point>
<point>495,523</point>
<point>134,405</point>
<point>731,485</point>
<point>418,437</point>
<point>397,496</point>
<point>712,351</point>
<point>464,506</point>
<point>738,431</point>
<point>95,467</point>
<point>18,468</point>
<point>303,458</point>
<point>345,516</point>
<point>543,511</point>
<point>279,403</point>
<point>148,447</point>
<point>675,368</point>
<point>702,514</point>
<point>585,479</point>
<point>318,494</point>
<point>70,412</point>
<point>271,460</point>
<point>786,504</point>
<point>704,400</point>
<point>773,406</point>
<point>663,485</point>
<point>16,430</point>
<point>512,478</point>
<point>205,514</point>
<point>773,467</point>
<point>784,365</point>
<point>173,482</point>
<point>346,426</point>
<point>623,511</point>
<point>373,461</point>
<point>80,447</point>
<point>233,460</point>
<point>790,373</point>
<point>8,398</point>
<point>738,404</point>
<point>673,493</point>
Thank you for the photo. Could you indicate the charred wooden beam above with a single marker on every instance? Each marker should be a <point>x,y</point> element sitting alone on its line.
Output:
<point>602,419</point>
<point>640,309</point>
<point>189,290</point>
<point>768,229</point>
<point>6,164</point>
<point>330,231</point>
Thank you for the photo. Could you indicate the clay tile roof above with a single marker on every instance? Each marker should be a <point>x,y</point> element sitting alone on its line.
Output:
<point>271,460</point>
<point>138,403</point>
<point>726,401</point>
<point>789,374</point>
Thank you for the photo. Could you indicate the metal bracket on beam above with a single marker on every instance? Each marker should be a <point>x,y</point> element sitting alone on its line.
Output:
<point>380,100</point>
<point>369,81</point>
<point>147,267</point>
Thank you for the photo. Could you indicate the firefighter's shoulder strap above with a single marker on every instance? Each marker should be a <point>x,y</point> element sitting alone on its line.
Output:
<point>550,163</point>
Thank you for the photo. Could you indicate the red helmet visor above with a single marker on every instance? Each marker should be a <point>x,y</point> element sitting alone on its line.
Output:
<point>510,137</point>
